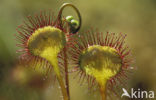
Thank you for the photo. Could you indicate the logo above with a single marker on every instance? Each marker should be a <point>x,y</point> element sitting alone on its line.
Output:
<point>137,94</point>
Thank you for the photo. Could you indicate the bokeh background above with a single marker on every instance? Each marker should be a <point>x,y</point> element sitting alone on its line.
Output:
<point>136,18</point>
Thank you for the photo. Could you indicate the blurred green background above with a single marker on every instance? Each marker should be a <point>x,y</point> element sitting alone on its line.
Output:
<point>136,18</point>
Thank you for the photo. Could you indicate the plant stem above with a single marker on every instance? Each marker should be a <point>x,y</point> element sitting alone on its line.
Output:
<point>102,88</point>
<point>59,20</point>
<point>66,72</point>
<point>64,92</point>
<point>60,15</point>
<point>54,63</point>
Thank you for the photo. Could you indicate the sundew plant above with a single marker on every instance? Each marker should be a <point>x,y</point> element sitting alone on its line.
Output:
<point>103,59</point>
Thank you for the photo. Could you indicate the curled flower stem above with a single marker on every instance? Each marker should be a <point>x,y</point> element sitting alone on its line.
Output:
<point>59,20</point>
<point>77,11</point>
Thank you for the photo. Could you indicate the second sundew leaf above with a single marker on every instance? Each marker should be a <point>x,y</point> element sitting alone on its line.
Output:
<point>102,58</point>
<point>101,62</point>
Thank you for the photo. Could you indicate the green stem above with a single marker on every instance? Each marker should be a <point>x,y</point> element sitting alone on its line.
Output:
<point>60,79</point>
<point>64,92</point>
